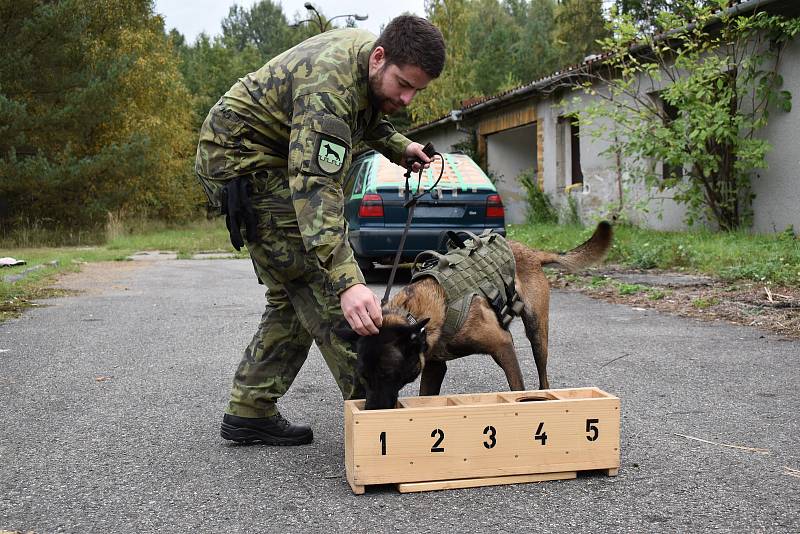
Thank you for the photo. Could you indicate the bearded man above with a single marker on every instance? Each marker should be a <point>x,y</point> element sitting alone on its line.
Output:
<point>272,156</point>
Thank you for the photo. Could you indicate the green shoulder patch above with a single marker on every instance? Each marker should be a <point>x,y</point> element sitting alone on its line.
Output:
<point>330,155</point>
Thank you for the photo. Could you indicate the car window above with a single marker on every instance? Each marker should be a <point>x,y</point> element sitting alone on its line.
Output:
<point>354,179</point>
<point>363,173</point>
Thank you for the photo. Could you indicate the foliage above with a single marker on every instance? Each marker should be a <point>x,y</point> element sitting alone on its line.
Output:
<point>263,27</point>
<point>694,101</point>
<point>209,68</point>
<point>456,81</point>
<point>496,45</point>
<point>540,209</point>
<point>579,26</point>
<point>93,114</point>
<point>771,259</point>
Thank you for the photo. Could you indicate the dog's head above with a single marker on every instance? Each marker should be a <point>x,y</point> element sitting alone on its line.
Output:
<point>388,360</point>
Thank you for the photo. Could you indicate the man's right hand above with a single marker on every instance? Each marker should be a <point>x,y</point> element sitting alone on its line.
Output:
<point>362,309</point>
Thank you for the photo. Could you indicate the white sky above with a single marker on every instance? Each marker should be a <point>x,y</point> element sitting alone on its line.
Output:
<point>191,17</point>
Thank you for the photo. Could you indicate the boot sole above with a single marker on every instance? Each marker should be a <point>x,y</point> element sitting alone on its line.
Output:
<point>251,435</point>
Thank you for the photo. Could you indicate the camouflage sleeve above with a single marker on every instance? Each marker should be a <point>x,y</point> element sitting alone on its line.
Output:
<point>319,156</point>
<point>386,140</point>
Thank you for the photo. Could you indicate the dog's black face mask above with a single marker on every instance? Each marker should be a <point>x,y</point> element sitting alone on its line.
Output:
<point>389,360</point>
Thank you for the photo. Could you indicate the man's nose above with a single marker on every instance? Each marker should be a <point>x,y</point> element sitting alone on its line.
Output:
<point>407,96</point>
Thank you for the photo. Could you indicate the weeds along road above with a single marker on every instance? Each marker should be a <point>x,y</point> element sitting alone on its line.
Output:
<point>112,399</point>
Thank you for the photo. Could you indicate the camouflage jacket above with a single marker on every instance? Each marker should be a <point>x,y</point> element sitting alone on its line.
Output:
<point>303,112</point>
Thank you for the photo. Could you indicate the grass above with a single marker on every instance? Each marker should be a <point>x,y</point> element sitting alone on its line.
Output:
<point>16,296</point>
<point>771,259</point>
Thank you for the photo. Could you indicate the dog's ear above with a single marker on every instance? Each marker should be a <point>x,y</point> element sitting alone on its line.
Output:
<point>346,333</point>
<point>418,328</point>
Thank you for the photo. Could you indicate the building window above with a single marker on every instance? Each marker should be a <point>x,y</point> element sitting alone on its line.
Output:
<point>568,153</point>
<point>575,151</point>
<point>668,114</point>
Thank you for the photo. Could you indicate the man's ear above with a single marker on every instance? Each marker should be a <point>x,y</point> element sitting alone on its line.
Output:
<point>346,333</point>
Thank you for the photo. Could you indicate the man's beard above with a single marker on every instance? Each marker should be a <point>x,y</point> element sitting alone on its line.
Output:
<point>376,95</point>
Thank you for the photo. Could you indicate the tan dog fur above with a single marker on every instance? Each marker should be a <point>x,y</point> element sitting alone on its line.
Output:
<point>482,332</point>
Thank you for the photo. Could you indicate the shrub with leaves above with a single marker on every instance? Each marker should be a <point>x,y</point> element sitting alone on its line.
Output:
<point>691,91</point>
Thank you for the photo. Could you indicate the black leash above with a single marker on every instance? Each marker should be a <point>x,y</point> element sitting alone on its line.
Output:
<point>410,204</point>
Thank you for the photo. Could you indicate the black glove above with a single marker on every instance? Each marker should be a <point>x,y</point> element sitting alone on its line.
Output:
<point>238,209</point>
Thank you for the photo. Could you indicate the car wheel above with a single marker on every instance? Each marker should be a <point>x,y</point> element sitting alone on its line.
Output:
<point>365,264</point>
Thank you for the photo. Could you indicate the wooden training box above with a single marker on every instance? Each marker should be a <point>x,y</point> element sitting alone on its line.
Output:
<point>462,441</point>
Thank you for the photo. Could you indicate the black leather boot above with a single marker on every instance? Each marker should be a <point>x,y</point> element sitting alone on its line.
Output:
<point>273,430</point>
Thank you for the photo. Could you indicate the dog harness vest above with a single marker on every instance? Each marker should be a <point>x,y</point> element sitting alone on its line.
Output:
<point>480,265</point>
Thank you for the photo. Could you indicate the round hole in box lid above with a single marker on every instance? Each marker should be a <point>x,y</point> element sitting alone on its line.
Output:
<point>534,398</point>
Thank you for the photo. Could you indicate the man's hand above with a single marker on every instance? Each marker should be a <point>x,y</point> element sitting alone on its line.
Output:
<point>362,309</point>
<point>414,150</point>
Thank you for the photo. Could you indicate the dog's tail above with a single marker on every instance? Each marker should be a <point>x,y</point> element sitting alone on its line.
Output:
<point>589,253</point>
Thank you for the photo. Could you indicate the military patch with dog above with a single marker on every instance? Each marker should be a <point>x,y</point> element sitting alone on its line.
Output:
<point>330,155</point>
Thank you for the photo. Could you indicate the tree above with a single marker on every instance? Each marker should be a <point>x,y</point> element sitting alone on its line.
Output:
<point>93,114</point>
<point>493,34</point>
<point>579,25</point>
<point>263,26</point>
<point>456,81</point>
<point>695,100</point>
<point>534,52</point>
<point>210,68</point>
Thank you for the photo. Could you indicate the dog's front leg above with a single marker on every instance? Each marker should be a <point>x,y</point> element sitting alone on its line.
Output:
<point>506,358</point>
<point>432,377</point>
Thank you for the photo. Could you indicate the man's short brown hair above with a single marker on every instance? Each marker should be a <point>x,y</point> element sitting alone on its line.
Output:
<point>412,40</point>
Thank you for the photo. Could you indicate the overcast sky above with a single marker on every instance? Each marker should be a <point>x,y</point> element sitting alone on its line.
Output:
<point>195,16</point>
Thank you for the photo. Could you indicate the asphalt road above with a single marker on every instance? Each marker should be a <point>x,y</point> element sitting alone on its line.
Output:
<point>111,403</point>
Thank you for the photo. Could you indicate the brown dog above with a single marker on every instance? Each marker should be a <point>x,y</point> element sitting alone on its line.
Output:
<point>404,347</point>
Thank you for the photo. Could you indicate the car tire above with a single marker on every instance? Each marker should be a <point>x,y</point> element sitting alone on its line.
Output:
<point>365,264</point>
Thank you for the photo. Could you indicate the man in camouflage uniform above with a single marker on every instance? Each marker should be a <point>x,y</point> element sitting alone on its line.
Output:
<point>275,150</point>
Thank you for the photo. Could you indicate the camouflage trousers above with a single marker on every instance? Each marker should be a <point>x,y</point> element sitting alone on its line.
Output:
<point>301,308</point>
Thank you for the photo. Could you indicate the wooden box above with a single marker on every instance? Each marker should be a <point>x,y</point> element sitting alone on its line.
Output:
<point>459,441</point>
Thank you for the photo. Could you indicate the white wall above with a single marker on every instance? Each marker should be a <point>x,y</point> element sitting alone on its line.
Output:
<point>777,188</point>
<point>443,137</point>
<point>508,154</point>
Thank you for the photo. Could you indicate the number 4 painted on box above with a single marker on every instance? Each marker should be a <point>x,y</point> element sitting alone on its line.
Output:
<point>541,436</point>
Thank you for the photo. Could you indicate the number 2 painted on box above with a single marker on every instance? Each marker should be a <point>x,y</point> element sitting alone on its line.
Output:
<point>436,447</point>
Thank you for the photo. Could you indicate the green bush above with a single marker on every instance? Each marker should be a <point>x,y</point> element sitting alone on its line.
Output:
<point>540,209</point>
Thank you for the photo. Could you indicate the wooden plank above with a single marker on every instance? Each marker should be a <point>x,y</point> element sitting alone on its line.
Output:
<point>357,489</point>
<point>350,408</point>
<point>446,440</point>
<point>410,487</point>
<point>477,440</point>
<point>506,120</point>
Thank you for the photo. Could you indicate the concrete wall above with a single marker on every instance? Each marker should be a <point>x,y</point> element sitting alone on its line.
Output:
<point>509,154</point>
<point>443,137</point>
<point>777,188</point>
<point>600,193</point>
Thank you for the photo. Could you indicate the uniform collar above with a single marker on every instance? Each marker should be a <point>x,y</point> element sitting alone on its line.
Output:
<point>362,76</point>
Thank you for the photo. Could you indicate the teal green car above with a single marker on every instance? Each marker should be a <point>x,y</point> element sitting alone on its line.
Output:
<point>464,199</point>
